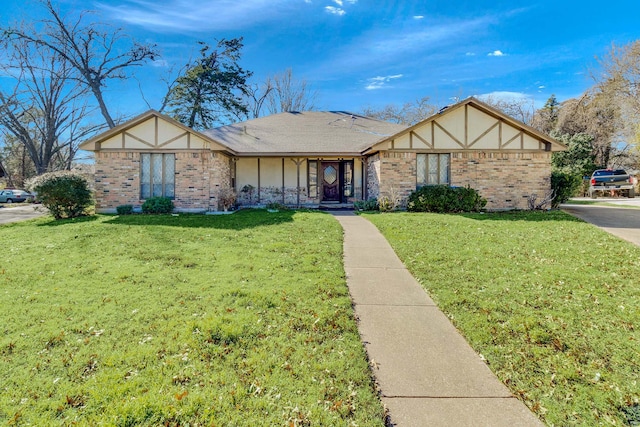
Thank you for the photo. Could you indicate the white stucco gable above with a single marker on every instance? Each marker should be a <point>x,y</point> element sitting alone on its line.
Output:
<point>152,131</point>
<point>469,125</point>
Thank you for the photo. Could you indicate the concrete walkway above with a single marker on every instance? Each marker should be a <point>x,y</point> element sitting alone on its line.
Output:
<point>427,373</point>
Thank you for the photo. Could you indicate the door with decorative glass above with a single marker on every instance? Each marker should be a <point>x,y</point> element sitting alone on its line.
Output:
<point>330,181</point>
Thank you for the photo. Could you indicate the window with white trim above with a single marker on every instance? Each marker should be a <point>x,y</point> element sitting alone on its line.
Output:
<point>157,175</point>
<point>432,169</point>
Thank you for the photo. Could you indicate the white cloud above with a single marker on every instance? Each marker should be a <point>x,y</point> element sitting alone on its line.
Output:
<point>334,10</point>
<point>181,15</point>
<point>380,81</point>
<point>541,87</point>
<point>503,94</point>
<point>339,10</point>
<point>418,17</point>
<point>496,53</point>
<point>470,54</point>
<point>160,63</point>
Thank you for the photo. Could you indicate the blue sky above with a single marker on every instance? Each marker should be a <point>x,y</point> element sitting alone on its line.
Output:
<point>359,53</point>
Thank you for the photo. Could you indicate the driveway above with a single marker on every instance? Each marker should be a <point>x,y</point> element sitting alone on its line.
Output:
<point>621,222</point>
<point>20,212</point>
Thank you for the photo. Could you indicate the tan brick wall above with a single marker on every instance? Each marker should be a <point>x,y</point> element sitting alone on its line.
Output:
<point>505,179</point>
<point>117,180</point>
<point>391,174</point>
<point>199,177</point>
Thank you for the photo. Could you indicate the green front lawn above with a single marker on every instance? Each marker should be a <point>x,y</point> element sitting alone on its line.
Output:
<point>552,304</point>
<point>233,320</point>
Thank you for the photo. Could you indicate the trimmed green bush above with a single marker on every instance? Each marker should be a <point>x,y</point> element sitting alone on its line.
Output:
<point>442,198</point>
<point>366,205</point>
<point>66,194</point>
<point>564,185</point>
<point>124,209</point>
<point>157,205</point>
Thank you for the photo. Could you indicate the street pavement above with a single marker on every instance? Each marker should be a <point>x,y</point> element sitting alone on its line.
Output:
<point>20,212</point>
<point>623,221</point>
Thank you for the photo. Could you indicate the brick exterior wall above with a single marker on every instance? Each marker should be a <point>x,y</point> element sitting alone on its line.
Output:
<point>505,179</point>
<point>117,180</point>
<point>391,174</point>
<point>199,176</point>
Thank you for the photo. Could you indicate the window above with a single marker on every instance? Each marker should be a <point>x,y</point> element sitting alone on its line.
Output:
<point>312,178</point>
<point>347,176</point>
<point>157,175</point>
<point>432,169</point>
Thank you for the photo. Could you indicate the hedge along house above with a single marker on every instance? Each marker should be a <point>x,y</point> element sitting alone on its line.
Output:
<point>321,158</point>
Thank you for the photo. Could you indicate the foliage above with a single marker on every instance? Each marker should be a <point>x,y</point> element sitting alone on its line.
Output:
<point>210,92</point>
<point>157,205</point>
<point>564,185</point>
<point>181,320</point>
<point>66,194</point>
<point>124,209</point>
<point>442,198</point>
<point>227,198</point>
<point>579,158</point>
<point>592,114</point>
<point>546,118</point>
<point>549,301</point>
<point>408,114</point>
<point>366,205</point>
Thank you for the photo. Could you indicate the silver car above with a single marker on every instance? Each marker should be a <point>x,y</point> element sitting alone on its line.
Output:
<point>14,196</point>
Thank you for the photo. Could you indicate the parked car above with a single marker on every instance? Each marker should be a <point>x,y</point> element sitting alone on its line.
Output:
<point>14,196</point>
<point>612,181</point>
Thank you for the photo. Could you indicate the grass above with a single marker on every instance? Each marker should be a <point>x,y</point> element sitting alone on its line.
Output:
<point>552,303</point>
<point>232,320</point>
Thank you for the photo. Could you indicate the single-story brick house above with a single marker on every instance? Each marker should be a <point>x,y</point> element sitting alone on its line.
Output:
<point>318,158</point>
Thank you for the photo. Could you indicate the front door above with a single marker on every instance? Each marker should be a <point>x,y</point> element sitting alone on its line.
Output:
<point>330,181</point>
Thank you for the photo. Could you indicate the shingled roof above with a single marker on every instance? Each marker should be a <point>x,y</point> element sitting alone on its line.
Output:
<point>304,133</point>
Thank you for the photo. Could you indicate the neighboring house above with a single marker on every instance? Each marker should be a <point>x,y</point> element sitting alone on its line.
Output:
<point>321,158</point>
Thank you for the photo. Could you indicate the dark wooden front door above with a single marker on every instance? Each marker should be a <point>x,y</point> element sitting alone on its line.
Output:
<point>330,181</point>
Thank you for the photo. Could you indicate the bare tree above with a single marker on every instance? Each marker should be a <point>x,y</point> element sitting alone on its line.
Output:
<point>618,81</point>
<point>45,104</point>
<point>288,94</point>
<point>520,108</point>
<point>593,114</point>
<point>408,114</point>
<point>90,50</point>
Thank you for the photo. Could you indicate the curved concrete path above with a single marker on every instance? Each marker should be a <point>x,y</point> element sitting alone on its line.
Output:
<point>427,373</point>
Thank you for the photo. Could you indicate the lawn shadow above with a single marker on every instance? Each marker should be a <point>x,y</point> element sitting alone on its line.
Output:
<point>536,216</point>
<point>243,219</point>
<point>530,216</point>
<point>52,222</point>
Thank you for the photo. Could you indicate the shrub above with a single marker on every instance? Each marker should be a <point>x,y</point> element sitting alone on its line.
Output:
<point>66,194</point>
<point>227,198</point>
<point>366,205</point>
<point>124,209</point>
<point>157,205</point>
<point>442,198</point>
<point>564,186</point>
